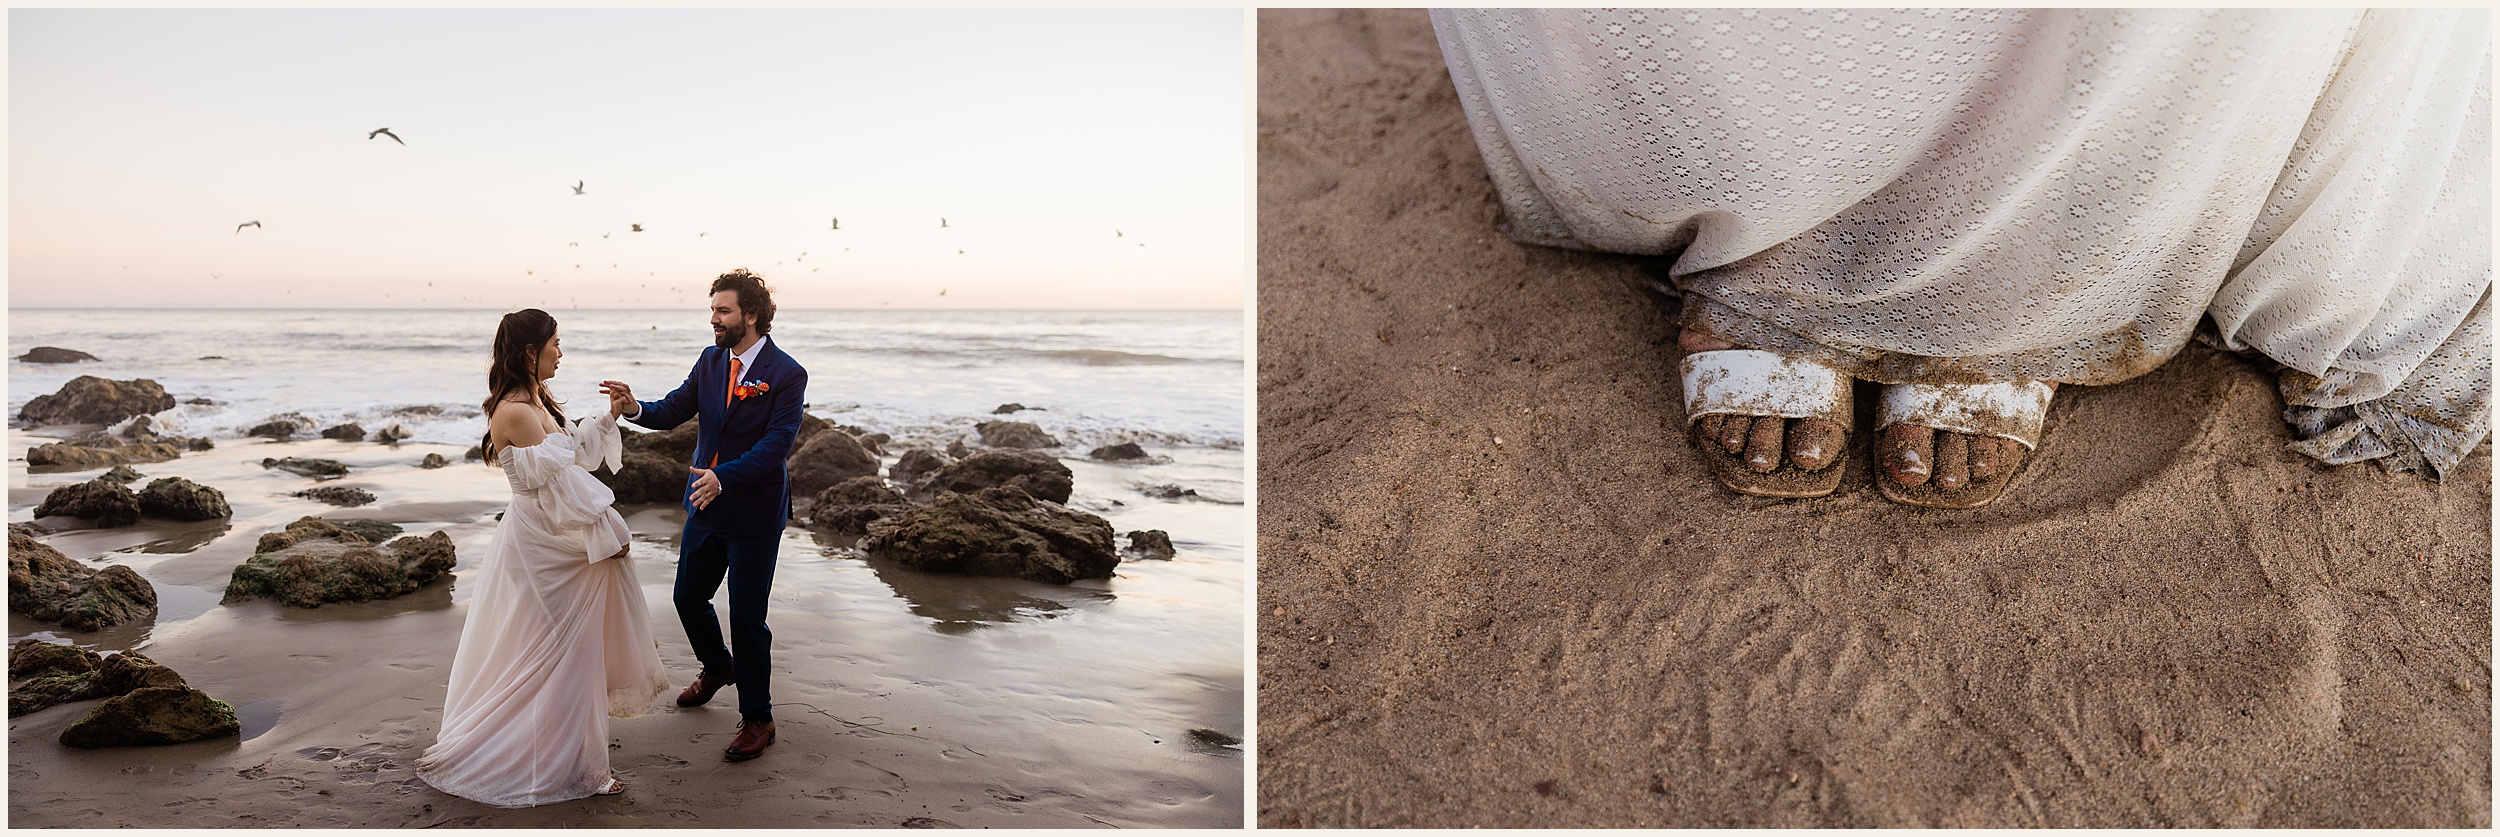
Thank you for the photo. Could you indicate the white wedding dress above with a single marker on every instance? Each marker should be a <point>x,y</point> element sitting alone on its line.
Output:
<point>558,638</point>
<point>1940,195</point>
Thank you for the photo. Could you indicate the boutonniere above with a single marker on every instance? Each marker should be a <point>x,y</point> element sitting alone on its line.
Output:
<point>741,391</point>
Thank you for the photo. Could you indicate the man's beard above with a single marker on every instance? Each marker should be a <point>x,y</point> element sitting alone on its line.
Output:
<point>728,337</point>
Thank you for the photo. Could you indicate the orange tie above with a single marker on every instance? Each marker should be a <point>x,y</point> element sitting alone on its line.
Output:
<point>729,396</point>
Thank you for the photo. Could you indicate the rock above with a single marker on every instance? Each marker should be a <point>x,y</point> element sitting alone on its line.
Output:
<point>957,449</point>
<point>1009,407</point>
<point>152,716</point>
<point>50,690</point>
<point>1014,434</point>
<point>314,562</point>
<point>809,426</point>
<point>1167,492</point>
<point>337,495</point>
<point>1038,474</point>
<point>475,453</point>
<point>646,478</point>
<point>1212,738</point>
<point>433,461</point>
<point>175,498</point>
<point>29,529</point>
<point>36,658</point>
<point>1151,543</point>
<point>828,460</point>
<point>130,671</point>
<point>278,429</point>
<point>107,503</point>
<point>88,399</point>
<point>373,531</point>
<point>393,434</point>
<point>142,430</point>
<point>916,464</point>
<point>307,467</point>
<point>49,354</point>
<point>87,453</point>
<point>999,531</point>
<point>1122,452</point>
<point>349,432</point>
<point>848,508</point>
<point>47,586</point>
<point>122,475</point>
<point>676,443</point>
<point>874,442</point>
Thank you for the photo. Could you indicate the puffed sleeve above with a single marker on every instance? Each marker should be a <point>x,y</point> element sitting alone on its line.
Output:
<point>531,468</point>
<point>568,499</point>
<point>600,443</point>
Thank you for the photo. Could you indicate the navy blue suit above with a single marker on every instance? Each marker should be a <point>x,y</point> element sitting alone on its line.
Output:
<point>746,443</point>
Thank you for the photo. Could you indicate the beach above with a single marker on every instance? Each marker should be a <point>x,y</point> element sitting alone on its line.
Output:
<point>1498,587</point>
<point>911,699</point>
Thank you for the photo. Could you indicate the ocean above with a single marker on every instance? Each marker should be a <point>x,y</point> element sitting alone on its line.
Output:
<point>1172,378</point>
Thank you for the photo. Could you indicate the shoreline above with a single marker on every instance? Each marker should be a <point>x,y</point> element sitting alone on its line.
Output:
<point>986,702</point>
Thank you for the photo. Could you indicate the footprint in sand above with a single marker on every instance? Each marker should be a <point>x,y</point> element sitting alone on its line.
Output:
<point>411,667</point>
<point>321,753</point>
<point>656,761</point>
<point>254,772</point>
<point>928,822</point>
<point>135,770</point>
<point>892,779</point>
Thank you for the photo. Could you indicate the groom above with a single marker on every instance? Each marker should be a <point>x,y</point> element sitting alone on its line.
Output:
<point>748,397</point>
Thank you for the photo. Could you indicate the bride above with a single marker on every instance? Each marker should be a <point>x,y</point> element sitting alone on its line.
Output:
<point>557,639</point>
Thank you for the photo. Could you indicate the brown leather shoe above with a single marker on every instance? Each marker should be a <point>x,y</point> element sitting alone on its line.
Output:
<point>700,691</point>
<point>751,741</point>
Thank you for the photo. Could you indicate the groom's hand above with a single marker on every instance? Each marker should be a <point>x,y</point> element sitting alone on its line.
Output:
<point>620,397</point>
<point>706,487</point>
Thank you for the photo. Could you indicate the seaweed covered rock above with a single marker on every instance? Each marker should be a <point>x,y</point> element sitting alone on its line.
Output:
<point>47,586</point>
<point>307,467</point>
<point>314,562</point>
<point>848,508</point>
<point>107,503</point>
<point>94,451</point>
<point>1122,452</point>
<point>54,354</point>
<point>152,716</point>
<point>432,461</point>
<point>348,432</point>
<point>1000,531</point>
<point>37,658</point>
<point>175,498</point>
<point>1038,474</point>
<point>1151,543</point>
<point>337,495</point>
<point>1014,434</point>
<point>917,464</point>
<point>88,399</point>
<point>393,434</point>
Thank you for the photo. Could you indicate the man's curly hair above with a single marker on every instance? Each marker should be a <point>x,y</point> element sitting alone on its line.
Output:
<point>753,297</point>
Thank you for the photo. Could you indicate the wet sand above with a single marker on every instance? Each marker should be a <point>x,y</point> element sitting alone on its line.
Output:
<point>1498,587</point>
<point>945,700</point>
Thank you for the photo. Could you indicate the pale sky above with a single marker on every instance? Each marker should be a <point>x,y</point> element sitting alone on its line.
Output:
<point>1053,143</point>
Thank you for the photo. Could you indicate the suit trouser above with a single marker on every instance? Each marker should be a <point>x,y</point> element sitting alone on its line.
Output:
<point>747,563</point>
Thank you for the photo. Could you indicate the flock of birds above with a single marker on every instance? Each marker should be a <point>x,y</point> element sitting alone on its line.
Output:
<point>579,190</point>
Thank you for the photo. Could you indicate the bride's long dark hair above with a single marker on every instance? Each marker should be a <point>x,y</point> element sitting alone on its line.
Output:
<point>514,370</point>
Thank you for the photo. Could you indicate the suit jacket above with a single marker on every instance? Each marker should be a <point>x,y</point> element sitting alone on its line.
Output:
<point>751,437</point>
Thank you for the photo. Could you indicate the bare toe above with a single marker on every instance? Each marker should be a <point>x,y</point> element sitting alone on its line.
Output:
<point>1985,453</point>
<point>1764,445</point>
<point>1814,443</point>
<point>1909,453</point>
<point>1952,460</point>
<point>1732,433</point>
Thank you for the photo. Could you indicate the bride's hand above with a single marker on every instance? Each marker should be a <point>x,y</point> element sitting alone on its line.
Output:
<point>620,397</point>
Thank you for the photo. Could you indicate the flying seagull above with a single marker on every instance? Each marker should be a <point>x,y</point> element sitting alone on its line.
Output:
<point>577,186</point>
<point>637,228</point>
<point>603,235</point>
<point>238,228</point>
<point>572,244</point>
<point>941,292</point>
<point>386,132</point>
<point>837,223</point>
<point>1118,234</point>
<point>941,223</point>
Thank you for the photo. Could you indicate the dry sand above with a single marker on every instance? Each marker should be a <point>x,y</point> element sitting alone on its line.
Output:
<point>994,702</point>
<point>1498,588</point>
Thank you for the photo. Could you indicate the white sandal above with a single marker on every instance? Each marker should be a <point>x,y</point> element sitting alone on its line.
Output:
<point>2012,411</point>
<point>1753,383</point>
